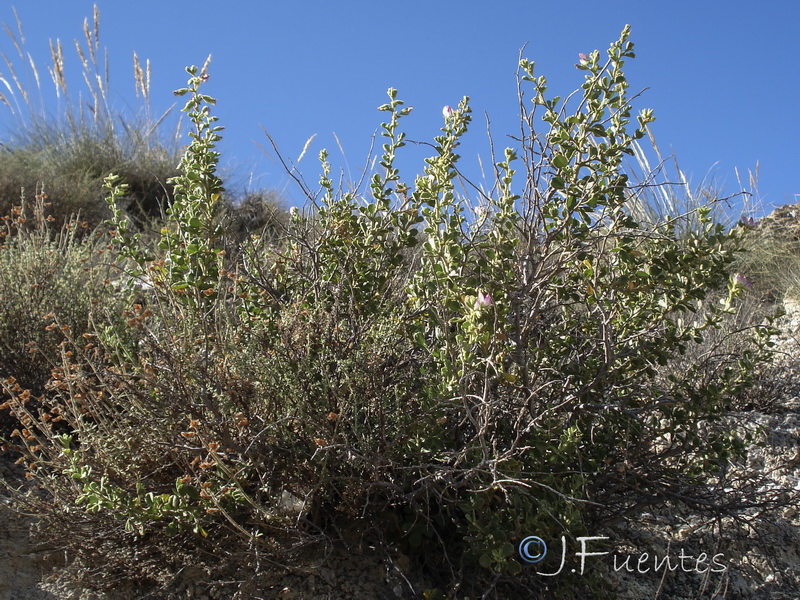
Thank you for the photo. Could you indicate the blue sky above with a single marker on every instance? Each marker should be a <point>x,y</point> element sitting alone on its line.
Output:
<point>721,77</point>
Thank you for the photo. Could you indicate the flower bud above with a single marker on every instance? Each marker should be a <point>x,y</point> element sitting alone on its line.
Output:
<point>748,222</point>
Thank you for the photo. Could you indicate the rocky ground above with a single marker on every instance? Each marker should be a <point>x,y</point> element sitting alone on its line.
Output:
<point>763,560</point>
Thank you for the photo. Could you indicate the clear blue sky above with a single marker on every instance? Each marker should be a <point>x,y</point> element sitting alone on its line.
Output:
<point>722,76</point>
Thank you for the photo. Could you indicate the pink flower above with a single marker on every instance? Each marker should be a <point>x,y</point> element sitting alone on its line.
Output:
<point>749,222</point>
<point>483,300</point>
<point>583,60</point>
<point>448,112</point>
<point>742,281</point>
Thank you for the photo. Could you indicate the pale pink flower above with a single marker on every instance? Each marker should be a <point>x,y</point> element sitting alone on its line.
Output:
<point>583,60</point>
<point>749,222</point>
<point>448,112</point>
<point>483,300</point>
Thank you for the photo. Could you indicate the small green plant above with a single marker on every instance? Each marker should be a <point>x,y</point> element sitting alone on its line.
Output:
<point>186,505</point>
<point>191,267</point>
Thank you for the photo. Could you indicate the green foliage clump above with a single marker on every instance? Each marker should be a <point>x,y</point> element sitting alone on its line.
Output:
<point>192,262</point>
<point>448,380</point>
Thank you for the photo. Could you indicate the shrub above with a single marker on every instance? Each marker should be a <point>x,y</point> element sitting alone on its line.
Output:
<point>451,381</point>
<point>258,213</point>
<point>52,280</point>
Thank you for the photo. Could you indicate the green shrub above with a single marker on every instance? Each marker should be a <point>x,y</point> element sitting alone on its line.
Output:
<point>450,381</point>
